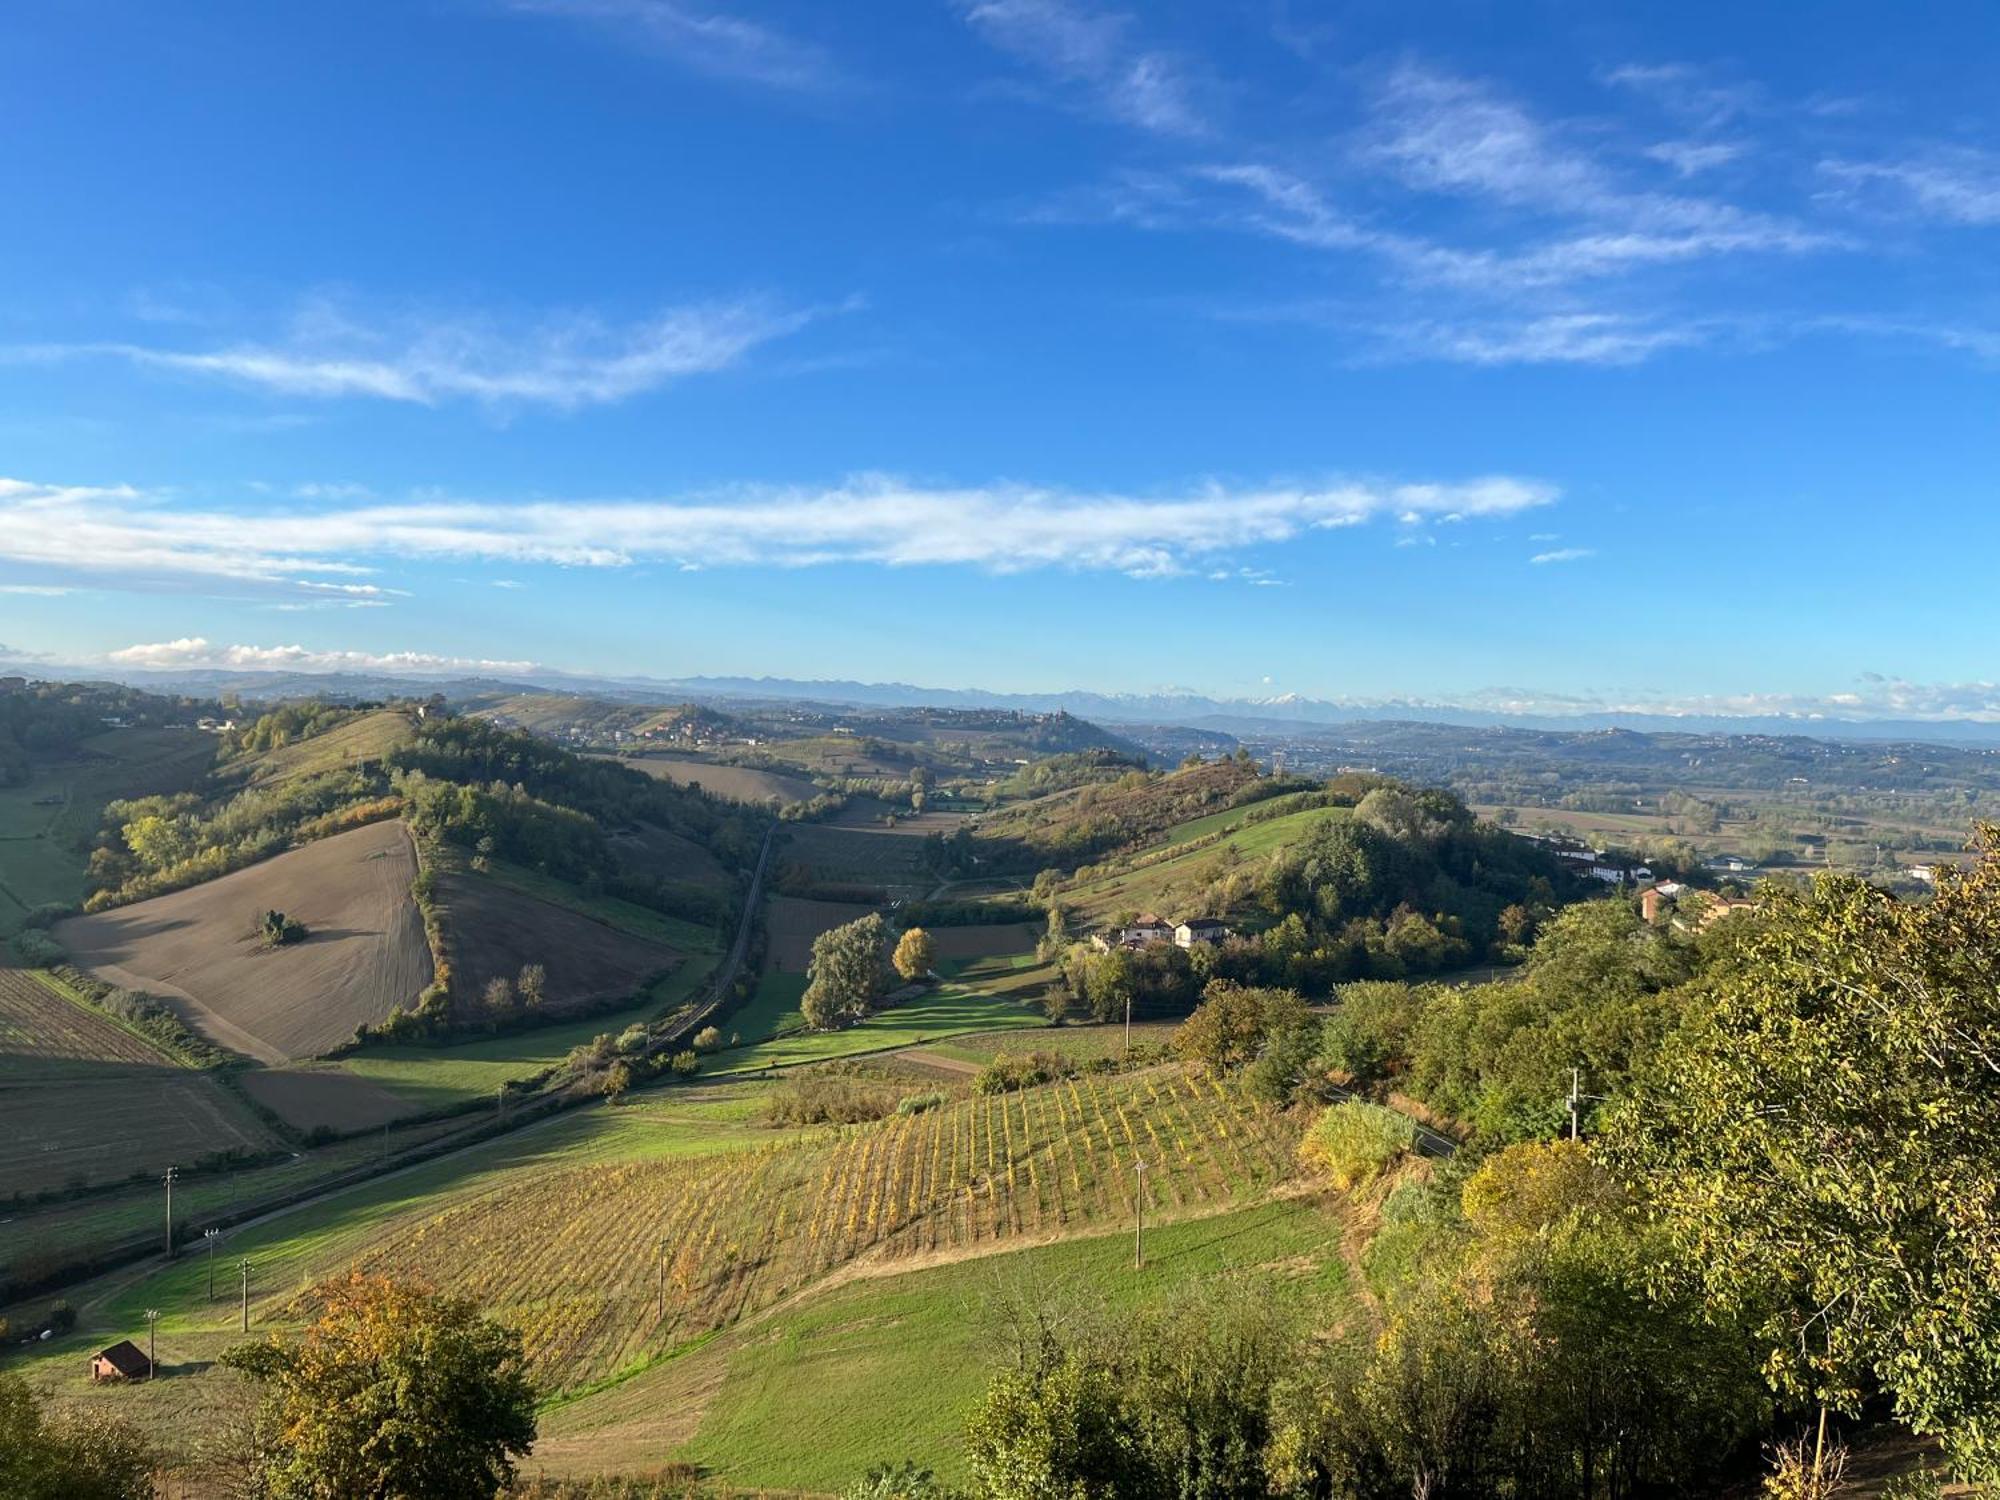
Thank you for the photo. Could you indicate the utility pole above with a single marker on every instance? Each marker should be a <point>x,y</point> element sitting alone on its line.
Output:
<point>1139,1217</point>
<point>172,1173</point>
<point>245,1268</point>
<point>211,1235</point>
<point>1128,1028</point>
<point>152,1342</point>
<point>660,1262</point>
<point>1577,1099</point>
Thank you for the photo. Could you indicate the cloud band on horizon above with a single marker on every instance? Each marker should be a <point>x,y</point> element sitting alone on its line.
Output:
<point>869,519</point>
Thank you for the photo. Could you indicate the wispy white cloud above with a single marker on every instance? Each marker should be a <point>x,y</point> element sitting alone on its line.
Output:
<point>1690,158</point>
<point>1696,96</point>
<point>1958,185</point>
<point>576,363</point>
<point>193,653</point>
<point>725,46</point>
<point>1444,134</point>
<point>1563,555</point>
<point>870,519</point>
<point>1098,53</point>
<point>35,590</point>
<point>1559,338</point>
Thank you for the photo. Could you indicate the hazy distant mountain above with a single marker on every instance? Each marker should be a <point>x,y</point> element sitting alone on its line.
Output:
<point>1284,715</point>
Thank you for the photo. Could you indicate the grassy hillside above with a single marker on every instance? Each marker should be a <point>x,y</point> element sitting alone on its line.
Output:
<point>363,738</point>
<point>1070,827</point>
<point>921,1345</point>
<point>49,816</point>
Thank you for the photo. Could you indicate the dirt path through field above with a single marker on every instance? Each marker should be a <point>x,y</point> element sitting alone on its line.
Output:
<point>937,1061</point>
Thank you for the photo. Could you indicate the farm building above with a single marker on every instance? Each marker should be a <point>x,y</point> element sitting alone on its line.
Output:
<point>124,1360</point>
<point>1139,933</point>
<point>1200,930</point>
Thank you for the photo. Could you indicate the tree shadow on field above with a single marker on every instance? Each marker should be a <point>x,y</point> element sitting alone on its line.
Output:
<point>1221,1236</point>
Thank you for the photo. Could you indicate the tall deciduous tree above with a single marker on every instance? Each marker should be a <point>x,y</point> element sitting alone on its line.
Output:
<point>916,951</point>
<point>844,978</point>
<point>394,1390</point>
<point>1820,1144</point>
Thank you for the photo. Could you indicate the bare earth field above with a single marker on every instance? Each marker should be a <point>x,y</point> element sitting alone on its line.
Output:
<point>364,954</point>
<point>43,1035</point>
<point>668,856</point>
<point>827,855</point>
<point>737,783</point>
<point>307,1098</point>
<point>84,1100</point>
<point>793,923</point>
<point>496,931</point>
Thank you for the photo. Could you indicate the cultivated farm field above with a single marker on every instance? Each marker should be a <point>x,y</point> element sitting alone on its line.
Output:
<point>364,955</point>
<point>922,1344</point>
<point>570,1255</point>
<point>1158,879</point>
<point>737,783</point>
<point>85,1100</point>
<point>821,854</point>
<point>497,929</point>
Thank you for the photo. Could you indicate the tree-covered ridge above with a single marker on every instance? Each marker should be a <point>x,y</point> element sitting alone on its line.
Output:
<point>1389,882</point>
<point>41,719</point>
<point>472,753</point>
<point>490,791</point>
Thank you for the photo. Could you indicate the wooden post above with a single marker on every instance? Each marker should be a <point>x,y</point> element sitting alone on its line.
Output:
<point>246,1296</point>
<point>1139,1218</point>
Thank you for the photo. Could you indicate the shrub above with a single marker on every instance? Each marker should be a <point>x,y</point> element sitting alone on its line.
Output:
<point>1006,1073</point>
<point>829,1099</point>
<point>917,1104</point>
<point>1354,1142</point>
<point>37,950</point>
<point>708,1039</point>
<point>685,1065</point>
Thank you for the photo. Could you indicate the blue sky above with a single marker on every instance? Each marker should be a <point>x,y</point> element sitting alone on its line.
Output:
<point>1538,355</point>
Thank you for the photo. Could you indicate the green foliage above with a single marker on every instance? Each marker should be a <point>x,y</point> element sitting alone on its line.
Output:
<point>1819,1144</point>
<point>393,1390</point>
<point>1354,1142</point>
<point>1054,1433</point>
<point>904,1481</point>
<point>1007,1073</point>
<point>37,950</point>
<point>1601,992</point>
<point>844,978</point>
<point>68,1454</point>
<point>1233,1025</point>
<point>279,930</point>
